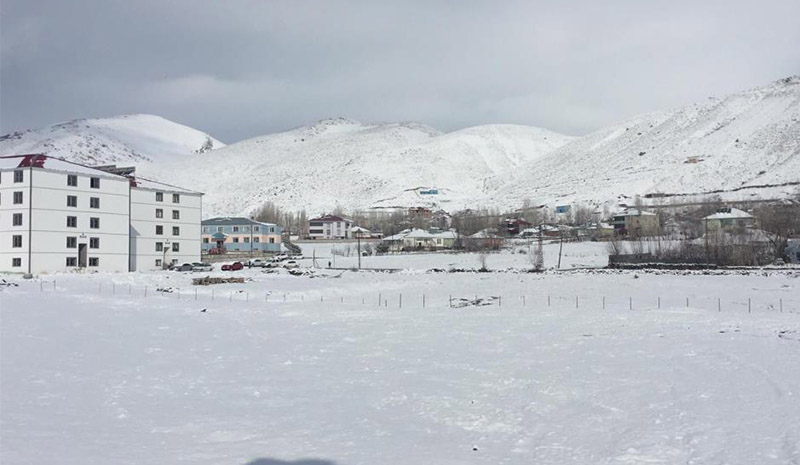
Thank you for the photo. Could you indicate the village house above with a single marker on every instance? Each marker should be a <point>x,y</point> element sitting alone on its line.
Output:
<point>513,226</point>
<point>237,234</point>
<point>728,219</point>
<point>635,222</point>
<point>329,227</point>
<point>420,239</point>
<point>483,240</point>
<point>57,215</point>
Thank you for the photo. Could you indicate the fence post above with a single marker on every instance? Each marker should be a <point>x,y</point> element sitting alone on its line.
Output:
<point>423,300</point>
<point>659,302</point>
<point>548,301</point>
<point>719,305</point>
<point>781,305</point>
<point>687,302</point>
<point>380,299</point>
<point>748,305</point>
<point>576,301</point>
<point>604,302</point>
<point>401,300</point>
<point>630,303</point>
<point>523,300</point>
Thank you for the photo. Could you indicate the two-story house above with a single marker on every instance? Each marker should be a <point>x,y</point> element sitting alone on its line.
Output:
<point>227,234</point>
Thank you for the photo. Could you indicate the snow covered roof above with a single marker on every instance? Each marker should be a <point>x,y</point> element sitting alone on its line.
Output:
<point>634,212</point>
<point>142,183</point>
<point>328,219</point>
<point>485,234</point>
<point>11,162</point>
<point>420,234</point>
<point>729,213</point>
<point>233,221</point>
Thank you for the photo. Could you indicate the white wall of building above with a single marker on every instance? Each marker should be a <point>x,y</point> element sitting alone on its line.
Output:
<point>45,222</point>
<point>143,222</point>
<point>7,230</point>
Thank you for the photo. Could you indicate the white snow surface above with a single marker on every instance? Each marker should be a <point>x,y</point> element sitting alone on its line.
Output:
<point>128,139</point>
<point>751,138</point>
<point>102,368</point>
<point>358,165</point>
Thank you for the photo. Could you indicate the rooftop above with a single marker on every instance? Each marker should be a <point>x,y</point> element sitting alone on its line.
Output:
<point>233,221</point>
<point>728,213</point>
<point>50,163</point>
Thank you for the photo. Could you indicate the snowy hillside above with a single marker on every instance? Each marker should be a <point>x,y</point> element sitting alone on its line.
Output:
<point>747,139</point>
<point>124,139</point>
<point>355,165</point>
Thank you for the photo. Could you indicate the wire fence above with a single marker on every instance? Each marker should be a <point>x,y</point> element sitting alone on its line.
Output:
<point>456,300</point>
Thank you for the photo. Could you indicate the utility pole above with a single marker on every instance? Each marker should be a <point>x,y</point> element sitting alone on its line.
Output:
<point>358,237</point>
<point>560,246</point>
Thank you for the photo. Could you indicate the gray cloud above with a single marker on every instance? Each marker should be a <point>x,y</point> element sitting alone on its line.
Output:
<point>245,67</point>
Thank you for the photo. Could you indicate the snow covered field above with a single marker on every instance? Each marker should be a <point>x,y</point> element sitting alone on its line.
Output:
<point>281,368</point>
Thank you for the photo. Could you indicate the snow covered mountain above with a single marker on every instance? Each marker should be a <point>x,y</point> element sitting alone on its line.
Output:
<point>356,165</point>
<point>128,139</point>
<point>743,146</point>
<point>746,145</point>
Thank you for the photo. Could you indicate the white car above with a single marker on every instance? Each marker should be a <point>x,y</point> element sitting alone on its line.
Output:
<point>280,257</point>
<point>255,262</point>
<point>198,266</point>
<point>290,264</point>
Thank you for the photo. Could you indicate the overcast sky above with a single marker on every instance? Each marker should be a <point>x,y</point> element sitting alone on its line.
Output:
<point>241,68</point>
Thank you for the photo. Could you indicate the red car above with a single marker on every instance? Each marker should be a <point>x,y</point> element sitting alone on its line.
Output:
<point>235,266</point>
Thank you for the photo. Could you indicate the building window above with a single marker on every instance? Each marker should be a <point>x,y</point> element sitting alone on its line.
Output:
<point>17,197</point>
<point>159,196</point>
<point>236,229</point>
<point>72,261</point>
<point>16,241</point>
<point>176,198</point>
<point>94,183</point>
<point>72,200</point>
<point>219,228</point>
<point>94,202</point>
<point>246,229</point>
<point>17,219</point>
<point>256,228</point>
<point>94,261</point>
<point>18,176</point>
<point>271,240</point>
<point>255,239</point>
<point>16,262</point>
<point>271,229</point>
<point>158,262</point>
<point>176,247</point>
<point>72,221</point>
<point>159,230</point>
<point>72,180</point>
<point>205,229</point>
<point>94,242</point>
<point>159,246</point>
<point>159,213</point>
<point>247,240</point>
<point>176,231</point>
<point>94,223</point>
<point>72,242</point>
<point>176,215</point>
<point>205,240</point>
<point>236,239</point>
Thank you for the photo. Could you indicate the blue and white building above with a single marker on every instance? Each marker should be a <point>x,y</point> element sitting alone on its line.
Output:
<point>232,234</point>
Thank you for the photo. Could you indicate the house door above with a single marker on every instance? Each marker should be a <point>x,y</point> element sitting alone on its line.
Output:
<point>82,251</point>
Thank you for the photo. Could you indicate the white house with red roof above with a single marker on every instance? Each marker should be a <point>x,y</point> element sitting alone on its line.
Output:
<point>330,227</point>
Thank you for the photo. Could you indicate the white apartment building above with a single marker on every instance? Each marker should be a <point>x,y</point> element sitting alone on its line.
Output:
<point>329,227</point>
<point>56,216</point>
<point>165,225</point>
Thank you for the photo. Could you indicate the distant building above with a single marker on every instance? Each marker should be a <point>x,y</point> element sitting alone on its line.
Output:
<point>237,234</point>
<point>513,226</point>
<point>329,227</point>
<point>727,219</point>
<point>484,239</point>
<point>363,233</point>
<point>635,222</point>
<point>432,239</point>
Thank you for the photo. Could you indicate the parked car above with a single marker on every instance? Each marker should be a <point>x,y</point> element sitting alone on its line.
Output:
<point>255,262</point>
<point>281,257</point>
<point>183,267</point>
<point>289,264</point>
<point>297,256</point>
<point>199,266</point>
<point>235,266</point>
